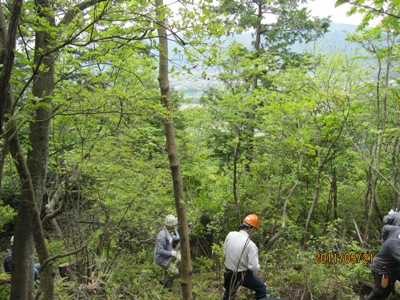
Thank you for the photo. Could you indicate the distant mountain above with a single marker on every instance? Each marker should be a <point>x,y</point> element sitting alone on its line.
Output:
<point>335,37</point>
<point>192,85</point>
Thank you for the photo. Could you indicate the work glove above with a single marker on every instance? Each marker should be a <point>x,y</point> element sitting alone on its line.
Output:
<point>178,256</point>
<point>173,253</point>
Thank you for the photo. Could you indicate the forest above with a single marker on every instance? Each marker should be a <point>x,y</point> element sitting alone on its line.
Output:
<point>97,147</point>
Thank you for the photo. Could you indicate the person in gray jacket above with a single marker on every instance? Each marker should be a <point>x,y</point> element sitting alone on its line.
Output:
<point>164,254</point>
<point>385,266</point>
<point>392,218</point>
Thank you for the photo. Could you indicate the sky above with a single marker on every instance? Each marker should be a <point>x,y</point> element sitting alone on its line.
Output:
<point>325,8</point>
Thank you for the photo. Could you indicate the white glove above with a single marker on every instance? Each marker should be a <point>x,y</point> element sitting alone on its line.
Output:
<point>173,253</point>
<point>178,256</point>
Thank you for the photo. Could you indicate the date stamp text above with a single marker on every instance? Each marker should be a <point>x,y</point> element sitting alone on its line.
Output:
<point>343,258</point>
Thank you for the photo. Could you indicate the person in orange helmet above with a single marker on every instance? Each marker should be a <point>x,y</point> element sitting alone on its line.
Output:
<point>241,260</point>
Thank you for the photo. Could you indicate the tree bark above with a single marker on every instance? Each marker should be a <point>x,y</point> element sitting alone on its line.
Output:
<point>278,234</point>
<point>7,47</point>
<point>28,224</point>
<point>3,93</point>
<point>395,171</point>
<point>249,133</point>
<point>384,69</point>
<point>38,154</point>
<point>186,270</point>
<point>315,197</point>
<point>22,276</point>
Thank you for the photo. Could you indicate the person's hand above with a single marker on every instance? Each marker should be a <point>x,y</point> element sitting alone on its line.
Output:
<point>173,253</point>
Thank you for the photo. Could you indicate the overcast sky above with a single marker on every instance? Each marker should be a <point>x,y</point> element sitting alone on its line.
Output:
<point>325,8</point>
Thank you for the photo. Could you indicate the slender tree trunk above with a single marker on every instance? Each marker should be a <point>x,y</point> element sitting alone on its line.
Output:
<point>370,201</point>
<point>278,234</point>
<point>384,70</point>
<point>51,213</point>
<point>3,80</point>
<point>7,47</point>
<point>38,153</point>
<point>42,88</point>
<point>334,193</point>
<point>249,133</point>
<point>395,171</point>
<point>315,197</point>
<point>186,277</point>
<point>235,180</point>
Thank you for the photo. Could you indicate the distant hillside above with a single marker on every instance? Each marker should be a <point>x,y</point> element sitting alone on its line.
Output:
<point>192,85</point>
<point>336,37</point>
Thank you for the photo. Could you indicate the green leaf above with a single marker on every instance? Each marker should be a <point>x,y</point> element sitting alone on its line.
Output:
<point>340,2</point>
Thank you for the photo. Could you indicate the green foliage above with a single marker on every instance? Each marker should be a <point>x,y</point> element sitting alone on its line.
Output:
<point>202,264</point>
<point>386,12</point>
<point>7,214</point>
<point>329,268</point>
<point>4,292</point>
<point>5,285</point>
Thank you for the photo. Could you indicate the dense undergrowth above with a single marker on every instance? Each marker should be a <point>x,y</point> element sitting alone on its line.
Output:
<point>291,274</point>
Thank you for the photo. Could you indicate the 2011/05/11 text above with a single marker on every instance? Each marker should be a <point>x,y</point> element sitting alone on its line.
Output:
<point>343,258</point>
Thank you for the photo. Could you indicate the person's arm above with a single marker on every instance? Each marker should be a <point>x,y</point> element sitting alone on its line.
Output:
<point>226,243</point>
<point>395,217</point>
<point>161,247</point>
<point>386,230</point>
<point>176,236</point>
<point>252,256</point>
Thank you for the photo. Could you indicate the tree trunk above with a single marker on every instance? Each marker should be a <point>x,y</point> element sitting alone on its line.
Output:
<point>235,180</point>
<point>28,219</point>
<point>278,234</point>
<point>4,79</point>
<point>249,133</point>
<point>186,277</point>
<point>7,46</point>
<point>315,197</point>
<point>395,171</point>
<point>42,88</point>
<point>370,201</point>
<point>22,276</point>
<point>28,224</point>
<point>384,69</point>
<point>334,187</point>
<point>38,154</point>
<point>51,212</point>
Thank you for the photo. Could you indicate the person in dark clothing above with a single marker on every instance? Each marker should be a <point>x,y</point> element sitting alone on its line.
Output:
<point>7,262</point>
<point>8,266</point>
<point>385,266</point>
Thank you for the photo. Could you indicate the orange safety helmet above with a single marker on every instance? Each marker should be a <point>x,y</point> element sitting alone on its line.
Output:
<point>252,220</point>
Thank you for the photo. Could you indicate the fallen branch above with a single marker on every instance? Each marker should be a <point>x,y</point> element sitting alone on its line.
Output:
<point>358,233</point>
<point>50,259</point>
